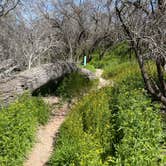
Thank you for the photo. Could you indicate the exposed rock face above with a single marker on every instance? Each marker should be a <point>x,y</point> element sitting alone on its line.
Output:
<point>33,79</point>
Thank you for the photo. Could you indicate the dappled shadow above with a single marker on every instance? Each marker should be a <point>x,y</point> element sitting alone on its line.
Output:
<point>48,88</point>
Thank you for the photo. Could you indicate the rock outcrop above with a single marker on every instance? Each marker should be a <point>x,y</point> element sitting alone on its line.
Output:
<point>33,79</point>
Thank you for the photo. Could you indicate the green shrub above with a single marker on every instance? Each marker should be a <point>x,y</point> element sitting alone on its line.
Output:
<point>138,124</point>
<point>118,54</point>
<point>141,127</point>
<point>74,85</point>
<point>38,106</point>
<point>18,125</point>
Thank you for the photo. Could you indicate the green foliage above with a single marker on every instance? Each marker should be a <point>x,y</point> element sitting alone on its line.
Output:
<point>115,126</point>
<point>117,63</point>
<point>118,54</point>
<point>89,67</point>
<point>18,124</point>
<point>138,123</point>
<point>120,71</point>
<point>97,63</point>
<point>118,126</point>
<point>121,50</point>
<point>74,85</point>
<point>139,126</point>
<point>142,133</point>
<point>85,136</point>
<point>38,107</point>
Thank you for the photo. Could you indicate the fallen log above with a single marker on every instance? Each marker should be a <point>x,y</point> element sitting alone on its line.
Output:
<point>33,79</point>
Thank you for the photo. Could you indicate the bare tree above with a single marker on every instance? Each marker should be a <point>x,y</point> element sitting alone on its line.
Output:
<point>82,27</point>
<point>50,30</point>
<point>7,5</point>
<point>143,22</point>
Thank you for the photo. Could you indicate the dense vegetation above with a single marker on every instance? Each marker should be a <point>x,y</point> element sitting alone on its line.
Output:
<point>74,85</point>
<point>138,123</point>
<point>119,125</point>
<point>83,136</point>
<point>18,125</point>
<point>112,126</point>
<point>19,121</point>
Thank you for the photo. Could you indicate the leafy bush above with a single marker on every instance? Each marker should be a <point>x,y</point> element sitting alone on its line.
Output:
<point>39,108</point>
<point>18,124</point>
<point>74,85</point>
<point>140,127</point>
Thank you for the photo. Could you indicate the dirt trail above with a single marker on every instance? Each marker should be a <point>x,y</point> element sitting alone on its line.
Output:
<point>102,82</point>
<point>42,150</point>
<point>45,136</point>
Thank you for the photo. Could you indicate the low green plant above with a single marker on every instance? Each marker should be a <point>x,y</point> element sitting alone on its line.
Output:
<point>74,85</point>
<point>18,125</point>
<point>138,123</point>
<point>115,126</point>
<point>37,105</point>
<point>118,54</point>
<point>140,129</point>
<point>120,71</point>
<point>89,67</point>
<point>85,135</point>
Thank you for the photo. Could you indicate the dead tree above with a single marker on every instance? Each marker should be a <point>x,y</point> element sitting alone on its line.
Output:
<point>7,5</point>
<point>33,79</point>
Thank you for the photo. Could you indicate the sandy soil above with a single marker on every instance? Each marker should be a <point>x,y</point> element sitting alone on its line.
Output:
<point>45,136</point>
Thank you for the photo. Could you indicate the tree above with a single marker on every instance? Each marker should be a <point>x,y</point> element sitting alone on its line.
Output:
<point>82,27</point>
<point>7,6</point>
<point>143,23</point>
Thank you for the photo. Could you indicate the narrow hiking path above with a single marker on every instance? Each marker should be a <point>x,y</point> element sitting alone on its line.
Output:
<point>102,82</point>
<point>46,135</point>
